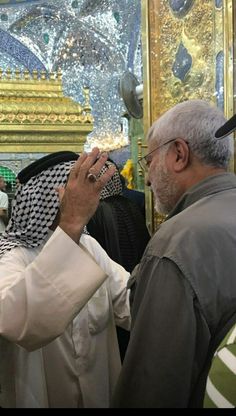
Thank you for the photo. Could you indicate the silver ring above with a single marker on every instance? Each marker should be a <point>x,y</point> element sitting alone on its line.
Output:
<point>92,177</point>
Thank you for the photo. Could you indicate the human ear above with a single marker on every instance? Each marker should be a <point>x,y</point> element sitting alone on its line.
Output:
<point>181,155</point>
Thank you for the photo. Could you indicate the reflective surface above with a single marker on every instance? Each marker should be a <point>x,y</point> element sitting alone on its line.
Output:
<point>92,42</point>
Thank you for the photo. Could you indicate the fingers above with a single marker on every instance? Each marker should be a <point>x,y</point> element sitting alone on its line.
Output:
<point>88,163</point>
<point>98,165</point>
<point>80,198</point>
<point>102,181</point>
<point>60,190</point>
<point>84,163</point>
<point>74,171</point>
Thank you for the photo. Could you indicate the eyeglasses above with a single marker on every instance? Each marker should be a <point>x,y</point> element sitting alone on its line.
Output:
<point>145,161</point>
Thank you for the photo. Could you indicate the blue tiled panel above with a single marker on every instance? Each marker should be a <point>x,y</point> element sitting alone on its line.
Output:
<point>20,52</point>
<point>183,63</point>
<point>180,7</point>
<point>218,4</point>
<point>220,80</point>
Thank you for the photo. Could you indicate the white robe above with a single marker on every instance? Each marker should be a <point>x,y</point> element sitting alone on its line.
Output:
<point>51,355</point>
<point>3,204</point>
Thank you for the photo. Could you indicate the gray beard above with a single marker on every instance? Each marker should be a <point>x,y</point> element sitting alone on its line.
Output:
<point>161,208</point>
<point>169,197</point>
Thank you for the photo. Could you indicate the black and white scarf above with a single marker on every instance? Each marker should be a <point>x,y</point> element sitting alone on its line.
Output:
<point>36,203</point>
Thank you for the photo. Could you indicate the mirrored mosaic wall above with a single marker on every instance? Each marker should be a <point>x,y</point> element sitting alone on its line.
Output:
<point>92,41</point>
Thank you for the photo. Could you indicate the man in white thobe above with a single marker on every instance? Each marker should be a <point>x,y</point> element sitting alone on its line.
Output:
<point>60,294</point>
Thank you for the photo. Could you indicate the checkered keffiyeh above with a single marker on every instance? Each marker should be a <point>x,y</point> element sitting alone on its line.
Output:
<point>34,208</point>
<point>36,203</point>
<point>114,185</point>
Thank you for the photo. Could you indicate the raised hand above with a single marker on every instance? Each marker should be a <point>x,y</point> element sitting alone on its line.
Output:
<point>80,197</point>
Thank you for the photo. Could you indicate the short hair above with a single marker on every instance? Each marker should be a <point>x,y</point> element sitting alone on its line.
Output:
<point>196,121</point>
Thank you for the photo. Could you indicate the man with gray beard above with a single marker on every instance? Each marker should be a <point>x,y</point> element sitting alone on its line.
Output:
<point>185,286</point>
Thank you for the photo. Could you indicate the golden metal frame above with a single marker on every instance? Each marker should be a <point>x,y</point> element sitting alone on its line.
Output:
<point>146,105</point>
<point>228,54</point>
<point>35,116</point>
<point>229,79</point>
<point>205,31</point>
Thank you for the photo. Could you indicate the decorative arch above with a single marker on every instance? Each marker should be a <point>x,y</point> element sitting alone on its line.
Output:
<point>20,52</point>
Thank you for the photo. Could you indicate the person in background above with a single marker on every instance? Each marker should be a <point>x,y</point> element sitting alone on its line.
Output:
<point>185,286</point>
<point>221,380</point>
<point>60,294</point>
<point>3,205</point>
<point>120,228</point>
<point>137,196</point>
<point>117,224</point>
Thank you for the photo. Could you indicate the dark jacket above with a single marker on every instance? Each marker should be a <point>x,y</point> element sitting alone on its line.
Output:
<point>185,296</point>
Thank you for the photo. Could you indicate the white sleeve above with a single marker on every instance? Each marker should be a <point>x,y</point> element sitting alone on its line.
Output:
<point>117,281</point>
<point>38,299</point>
<point>4,200</point>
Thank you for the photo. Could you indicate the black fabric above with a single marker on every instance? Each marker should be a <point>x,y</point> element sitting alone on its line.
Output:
<point>120,228</point>
<point>227,128</point>
<point>137,196</point>
<point>44,163</point>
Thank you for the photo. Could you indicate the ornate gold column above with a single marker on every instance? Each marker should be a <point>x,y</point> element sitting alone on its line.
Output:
<point>187,53</point>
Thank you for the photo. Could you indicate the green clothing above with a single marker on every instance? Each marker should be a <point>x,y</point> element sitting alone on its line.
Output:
<point>221,381</point>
